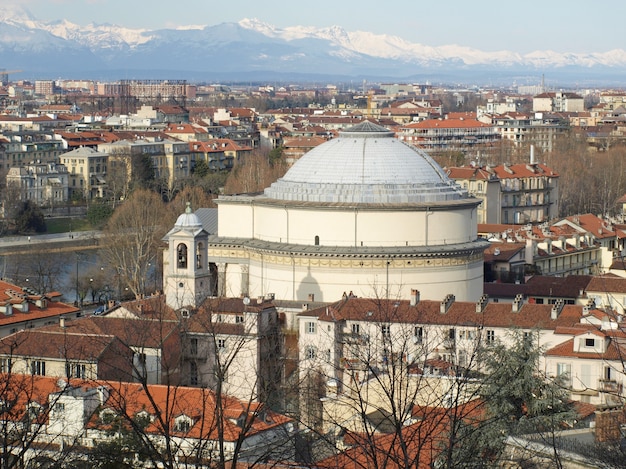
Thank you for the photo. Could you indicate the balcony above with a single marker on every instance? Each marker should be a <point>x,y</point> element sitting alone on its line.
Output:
<point>199,354</point>
<point>610,386</point>
<point>353,338</point>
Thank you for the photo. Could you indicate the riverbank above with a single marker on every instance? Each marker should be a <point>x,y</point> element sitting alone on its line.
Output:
<point>53,242</point>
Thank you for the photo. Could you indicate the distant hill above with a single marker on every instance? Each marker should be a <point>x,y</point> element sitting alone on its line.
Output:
<point>252,50</point>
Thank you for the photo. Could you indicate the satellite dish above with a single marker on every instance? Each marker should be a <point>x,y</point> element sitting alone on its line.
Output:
<point>246,300</point>
<point>496,252</point>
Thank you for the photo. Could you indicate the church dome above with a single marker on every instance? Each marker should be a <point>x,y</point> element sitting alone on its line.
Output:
<point>188,220</point>
<point>366,164</point>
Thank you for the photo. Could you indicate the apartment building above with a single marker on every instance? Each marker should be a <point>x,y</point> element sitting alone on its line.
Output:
<point>87,170</point>
<point>559,101</point>
<point>450,133</point>
<point>43,184</point>
<point>516,194</point>
<point>539,129</point>
<point>54,416</point>
<point>233,343</point>
<point>580,245</point>
<point>19,148</point>
<point>340,342</point>
<point>172,160</point>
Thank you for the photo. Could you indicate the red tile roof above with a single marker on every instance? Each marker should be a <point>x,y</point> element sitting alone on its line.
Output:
<point>446,124</point>
<point>459,313</point>
<point>13,294</point>
<point>607,284</point>
<point>614,351</point>
<point>197,403</point>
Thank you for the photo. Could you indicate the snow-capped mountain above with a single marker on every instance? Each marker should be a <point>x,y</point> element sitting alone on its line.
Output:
<point>252,48</point>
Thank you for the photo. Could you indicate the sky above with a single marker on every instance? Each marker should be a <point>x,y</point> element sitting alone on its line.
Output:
<point>560,25</point>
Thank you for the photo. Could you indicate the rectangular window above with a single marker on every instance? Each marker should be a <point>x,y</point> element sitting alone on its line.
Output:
<point>590,342</point>
<point>5,365</point>
<point>193,347</point>
<point>238,319</point>
<point>193,374</point>
<point>356,329</point>
<point>386,330</point>
<point>309,327</point>
<point>418,334</point>
<point>221,344</point>
<point>75,370</point>
<point>38,368</point>
<point>491,337</point>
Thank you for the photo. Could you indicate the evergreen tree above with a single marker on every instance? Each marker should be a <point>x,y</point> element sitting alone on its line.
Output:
<point>518,399</point>
<point>30,218</point>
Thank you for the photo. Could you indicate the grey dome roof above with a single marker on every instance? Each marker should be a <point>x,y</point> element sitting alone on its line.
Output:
<point>365,164</point>
<point>188,219</point>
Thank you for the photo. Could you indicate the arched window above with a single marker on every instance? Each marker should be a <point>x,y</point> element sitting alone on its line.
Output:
<point>199,257</point>
<point>317,240</point>
<point>181,251</point>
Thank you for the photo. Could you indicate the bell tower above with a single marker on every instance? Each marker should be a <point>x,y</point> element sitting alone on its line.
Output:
<point>186,274</point>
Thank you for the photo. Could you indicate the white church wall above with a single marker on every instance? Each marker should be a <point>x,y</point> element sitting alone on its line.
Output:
<point>235,220</point>
<point>328,279</point>
<point>350,227</point>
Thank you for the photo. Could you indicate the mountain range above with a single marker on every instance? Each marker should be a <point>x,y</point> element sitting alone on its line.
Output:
<point>251,50</point>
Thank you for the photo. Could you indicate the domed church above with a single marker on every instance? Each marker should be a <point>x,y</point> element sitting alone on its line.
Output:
<point>363,213</point>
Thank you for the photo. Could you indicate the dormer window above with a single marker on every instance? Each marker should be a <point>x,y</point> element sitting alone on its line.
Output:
<point>183,424</point>
<point>181,252</point>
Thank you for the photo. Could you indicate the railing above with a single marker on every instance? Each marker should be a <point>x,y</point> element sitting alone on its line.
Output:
<point>610,385</point>
<point>354,338</point>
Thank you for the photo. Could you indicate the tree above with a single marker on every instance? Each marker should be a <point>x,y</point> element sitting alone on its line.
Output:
<point>406,391</point>
<point>11,202</point>
<point>519,399</point>
<point>132,238</point>
<point>142,172</point>
<point>119,172</point>
<point>29,218</point>
<point>195,196</point>
<point>99,213</point>
<point>43,267</point>
<point>201,169</point>
<point>391,387</point>
<point>254,174</point>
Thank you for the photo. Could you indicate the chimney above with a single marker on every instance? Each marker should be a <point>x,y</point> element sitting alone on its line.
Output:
<point>517,303</point>
<point>557,307</point>
<point>62,322</point>
<point>415,297</point>
<point>305,307</point>
<point>482,303</point>
<point>446,303</point>
<point>532,154</point>
<point>608,423</point>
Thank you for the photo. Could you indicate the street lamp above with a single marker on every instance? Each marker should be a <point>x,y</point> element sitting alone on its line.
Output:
<point>77,301</point>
